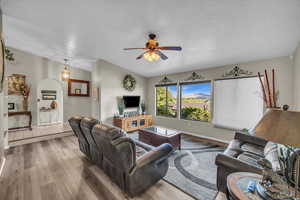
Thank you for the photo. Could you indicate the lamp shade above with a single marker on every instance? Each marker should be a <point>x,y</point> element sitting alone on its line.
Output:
<point>279,126</point>
<point>65,75</point>
<point>151,56</point>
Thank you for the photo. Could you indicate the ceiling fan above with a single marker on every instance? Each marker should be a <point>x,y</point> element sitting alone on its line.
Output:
<point>153,50</point>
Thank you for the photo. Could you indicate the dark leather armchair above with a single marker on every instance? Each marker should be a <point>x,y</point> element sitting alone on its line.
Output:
<point>82,140</point>
<point>87,124</point>
<point>242,155</point>
<point>131,173</point>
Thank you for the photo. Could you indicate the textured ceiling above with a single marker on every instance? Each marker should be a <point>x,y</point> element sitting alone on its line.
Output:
<point>211,32</point>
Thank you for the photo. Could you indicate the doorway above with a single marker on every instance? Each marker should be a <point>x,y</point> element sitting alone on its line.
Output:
<point>50,102</point>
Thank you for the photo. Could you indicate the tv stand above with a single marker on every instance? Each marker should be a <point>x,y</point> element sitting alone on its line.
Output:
<point>133,123</point>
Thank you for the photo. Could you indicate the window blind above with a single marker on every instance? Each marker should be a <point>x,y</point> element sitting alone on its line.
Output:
<point>238,103</point>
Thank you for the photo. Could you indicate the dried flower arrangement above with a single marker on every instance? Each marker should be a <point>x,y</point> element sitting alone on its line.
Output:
<point>25,89</point>
<point>270,95</point>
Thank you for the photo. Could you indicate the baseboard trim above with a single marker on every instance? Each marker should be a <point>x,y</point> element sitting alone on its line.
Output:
<point>2,166</point>
<point>210,140</point>
<point>40,138</point>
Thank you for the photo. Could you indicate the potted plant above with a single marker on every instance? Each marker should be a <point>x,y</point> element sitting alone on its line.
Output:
<point>143,107</point>
<point>121,107</point>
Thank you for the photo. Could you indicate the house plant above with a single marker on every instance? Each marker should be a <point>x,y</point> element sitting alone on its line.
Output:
<point>143,107</point>
<point>121,107</point>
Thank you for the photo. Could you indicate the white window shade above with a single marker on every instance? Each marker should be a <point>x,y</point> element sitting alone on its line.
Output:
<point>237,103</point>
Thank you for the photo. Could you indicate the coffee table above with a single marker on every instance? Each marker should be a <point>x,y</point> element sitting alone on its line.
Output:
<point>157,135</point>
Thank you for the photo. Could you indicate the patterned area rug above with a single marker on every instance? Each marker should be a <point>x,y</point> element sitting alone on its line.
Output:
<point>193,169</point>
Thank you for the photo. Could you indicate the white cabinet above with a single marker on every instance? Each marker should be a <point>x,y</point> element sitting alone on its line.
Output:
<point>49,117</point>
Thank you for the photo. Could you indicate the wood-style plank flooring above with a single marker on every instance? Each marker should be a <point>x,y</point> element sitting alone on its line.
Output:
<point>57,170</point>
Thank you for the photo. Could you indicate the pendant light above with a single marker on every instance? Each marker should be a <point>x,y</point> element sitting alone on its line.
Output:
<point>65,75</point>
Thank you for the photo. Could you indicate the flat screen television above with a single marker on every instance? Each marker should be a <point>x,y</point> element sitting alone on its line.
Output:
<point>131,101</point>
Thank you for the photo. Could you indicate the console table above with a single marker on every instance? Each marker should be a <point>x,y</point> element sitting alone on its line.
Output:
<point>26,113</point>
<point>133,123</point>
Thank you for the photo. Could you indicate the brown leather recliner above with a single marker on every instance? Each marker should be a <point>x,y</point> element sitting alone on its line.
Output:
<point>82,140</point>
<point>242,155</point>
<point>87,124</point>
<point>133,175</point>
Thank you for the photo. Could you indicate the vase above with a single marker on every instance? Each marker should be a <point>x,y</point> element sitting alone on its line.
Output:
<point>25,104</point>
<point>53,105</point>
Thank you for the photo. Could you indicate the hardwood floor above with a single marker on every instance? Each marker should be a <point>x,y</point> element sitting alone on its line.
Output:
<point>57,170</point>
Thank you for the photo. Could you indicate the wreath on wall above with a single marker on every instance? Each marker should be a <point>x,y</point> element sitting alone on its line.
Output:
<point>129,82</point>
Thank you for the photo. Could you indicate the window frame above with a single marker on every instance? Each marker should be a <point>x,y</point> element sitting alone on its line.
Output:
<point>211,99</point>
<point>166,86</point>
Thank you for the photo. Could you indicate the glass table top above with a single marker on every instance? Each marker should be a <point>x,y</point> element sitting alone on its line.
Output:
<point>161,130</point>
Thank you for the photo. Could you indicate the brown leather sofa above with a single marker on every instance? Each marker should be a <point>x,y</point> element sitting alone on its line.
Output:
<point>242,155</point>
<point>132,165</point>
<point>82,140</point>
<point>87,125</point>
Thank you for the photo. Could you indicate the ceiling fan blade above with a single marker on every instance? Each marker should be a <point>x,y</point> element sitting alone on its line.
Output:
<point>134,48</point>
<point>175,48</point>
<point>162,56</point>
<point>140,56</point>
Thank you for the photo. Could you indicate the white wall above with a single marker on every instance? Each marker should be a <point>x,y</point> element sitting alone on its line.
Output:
<point>96,78</point>
<point>283,69</point>
<point>37,68</point>
<point>110,77</point>
<point>296,78</point>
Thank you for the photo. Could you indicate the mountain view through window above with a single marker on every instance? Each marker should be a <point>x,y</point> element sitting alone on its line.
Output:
<point>196,101</point>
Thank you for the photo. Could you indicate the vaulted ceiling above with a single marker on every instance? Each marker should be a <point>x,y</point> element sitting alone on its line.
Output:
<point>211,32</point>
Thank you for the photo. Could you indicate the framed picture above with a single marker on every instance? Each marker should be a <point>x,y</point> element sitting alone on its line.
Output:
<point>15,84</point>
<point>2,67</point>
<point>49,97</point>
<point>78,88</point>
<point>11,106</point>
<point>77,91</point>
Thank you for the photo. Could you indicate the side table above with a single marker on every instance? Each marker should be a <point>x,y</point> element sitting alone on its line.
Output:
<point>26,113</point>
<point>237,184</point>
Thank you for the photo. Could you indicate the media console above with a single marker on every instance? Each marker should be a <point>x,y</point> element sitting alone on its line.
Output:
<point>133,123</point>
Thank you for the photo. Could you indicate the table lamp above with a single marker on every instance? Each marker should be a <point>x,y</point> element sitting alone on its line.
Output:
<point>283,127</point>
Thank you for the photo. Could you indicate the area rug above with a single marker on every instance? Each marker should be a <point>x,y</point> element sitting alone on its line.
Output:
<point>193,169</point>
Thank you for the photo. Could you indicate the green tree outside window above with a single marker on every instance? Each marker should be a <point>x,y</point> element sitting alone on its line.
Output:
<point>166,102</point>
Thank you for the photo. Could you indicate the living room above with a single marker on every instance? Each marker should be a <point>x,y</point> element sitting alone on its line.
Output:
<point>104,104</point>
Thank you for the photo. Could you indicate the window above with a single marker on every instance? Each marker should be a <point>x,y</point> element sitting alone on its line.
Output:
<point>238,103</point>
<point>196,101</point>
<point>166,100</point>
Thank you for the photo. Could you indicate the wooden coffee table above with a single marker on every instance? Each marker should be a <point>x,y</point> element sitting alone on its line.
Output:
<point>156,135</point>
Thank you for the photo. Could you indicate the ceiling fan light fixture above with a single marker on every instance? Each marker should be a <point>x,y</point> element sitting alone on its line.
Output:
<point>151,56</point>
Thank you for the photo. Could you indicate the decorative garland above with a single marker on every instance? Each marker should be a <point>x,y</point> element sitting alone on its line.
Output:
<point>129,82</point>
<point>194,77</point>
<point>237,72</point>
<point>9,55</point>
